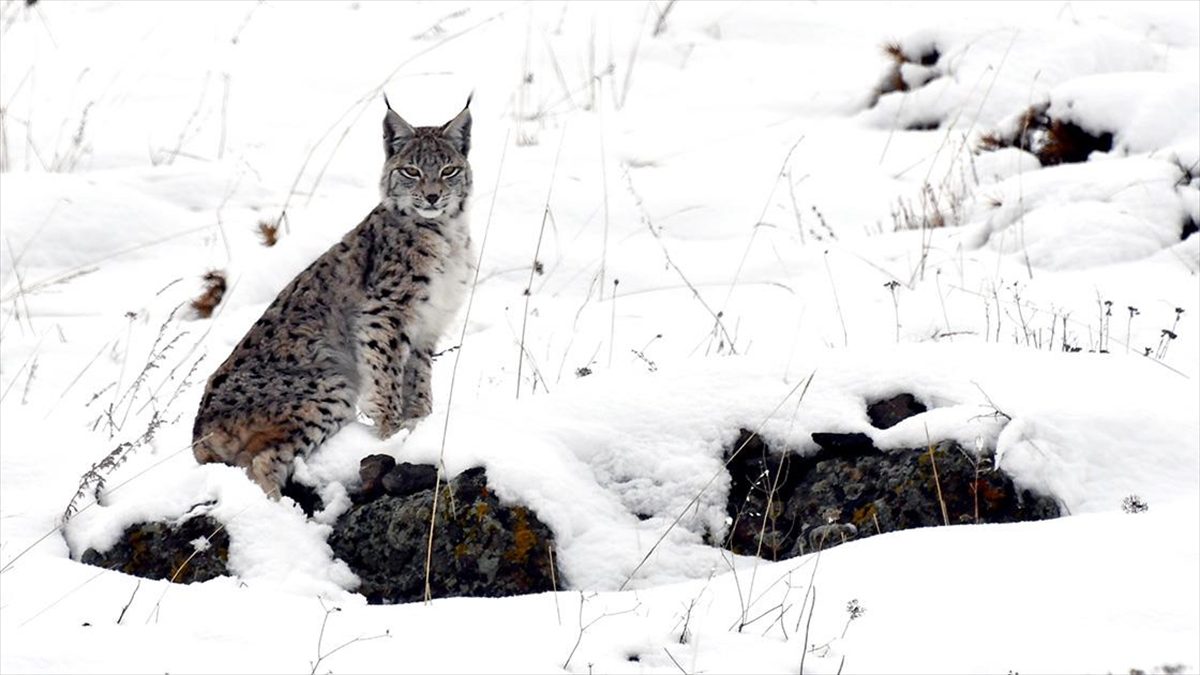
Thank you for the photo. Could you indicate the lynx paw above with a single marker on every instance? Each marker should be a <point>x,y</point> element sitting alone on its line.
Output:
<point>411,423</point>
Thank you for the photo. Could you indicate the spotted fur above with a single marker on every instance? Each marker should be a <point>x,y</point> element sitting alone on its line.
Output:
<point>357,327</point>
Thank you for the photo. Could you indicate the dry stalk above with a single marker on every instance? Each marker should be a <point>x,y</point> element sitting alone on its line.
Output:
<point>534,264</point>
<point>936,481</point>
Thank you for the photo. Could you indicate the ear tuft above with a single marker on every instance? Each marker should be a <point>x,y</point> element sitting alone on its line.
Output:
<point>458,130</point>
<point>395,131</point>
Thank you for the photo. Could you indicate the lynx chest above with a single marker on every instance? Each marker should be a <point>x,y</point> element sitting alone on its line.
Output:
<point>449,272</point>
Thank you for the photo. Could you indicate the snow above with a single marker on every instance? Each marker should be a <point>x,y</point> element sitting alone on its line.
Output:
<point>1076,216</point>
<point>733,164</point>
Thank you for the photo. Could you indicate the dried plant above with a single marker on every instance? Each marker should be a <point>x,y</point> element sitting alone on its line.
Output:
<point>92,482</point>
<point>214,290</point>
<point>268,232</point>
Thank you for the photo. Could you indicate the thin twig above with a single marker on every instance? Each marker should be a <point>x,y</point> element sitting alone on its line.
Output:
<point>811,610</point>
<point>672,656</point>
<point>637,41</point>
<point>604,190</point>
<point>612,322</point>
<point>783,166</point>
<point>64,596</point>
<point>533,265</point>
<point>196,550</point>
<point>321,637</point>
<point>936,481</point>
<point>127,604</point>
<point>645,217</point>
<point>583,627</point>
<point>659,27</point>
<point>554,582</point>
<point>837,302</point>
<point>719,472</point>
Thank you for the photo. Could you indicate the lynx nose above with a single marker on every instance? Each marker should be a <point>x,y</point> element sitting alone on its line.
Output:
<point>432,198</point>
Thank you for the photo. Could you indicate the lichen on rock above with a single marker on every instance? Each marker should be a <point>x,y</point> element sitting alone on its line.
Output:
<point>782,504</point>
<point>196,549</point>
<point>481,546</point>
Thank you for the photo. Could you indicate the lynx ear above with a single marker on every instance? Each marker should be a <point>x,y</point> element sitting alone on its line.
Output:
<point>458,130</point>
<point>395,130</point>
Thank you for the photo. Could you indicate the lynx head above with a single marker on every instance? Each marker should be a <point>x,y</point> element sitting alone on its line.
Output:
<point>426,170</point>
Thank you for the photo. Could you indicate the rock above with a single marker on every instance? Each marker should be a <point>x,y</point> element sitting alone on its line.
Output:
<point>782,505</point>
<point>481,547</point>
<point>371,470</point>
<point>408,479</point>
<point>1190,227</point>
<point>844,444</point>
<point>305,496</point>
<point>165,551</point>
<point>891,411</point>
<point>380,474</point>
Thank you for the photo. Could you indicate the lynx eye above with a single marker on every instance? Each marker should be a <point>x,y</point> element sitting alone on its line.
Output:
<point>450,171</point>
<point>410,172</point>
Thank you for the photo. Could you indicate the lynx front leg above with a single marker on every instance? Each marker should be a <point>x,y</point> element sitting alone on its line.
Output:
<point>418,396</point>
<point>383,357</point>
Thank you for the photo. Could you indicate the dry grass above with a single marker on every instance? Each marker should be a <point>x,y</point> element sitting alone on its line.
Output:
<point>214,290</point>
<point>894,51</point>
<point>893,80</point>
<point>268,232</point>
<point>991,141</point>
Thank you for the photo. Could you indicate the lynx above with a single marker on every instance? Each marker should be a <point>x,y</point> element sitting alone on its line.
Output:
<point>359,325</point>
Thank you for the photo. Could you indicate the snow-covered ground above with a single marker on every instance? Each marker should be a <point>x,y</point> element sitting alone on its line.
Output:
<point>724,220</point>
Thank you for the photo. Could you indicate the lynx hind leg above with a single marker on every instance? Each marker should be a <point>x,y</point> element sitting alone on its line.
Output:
<point>418,395</point>
<point>214,445</point>
<point>264,450</point>
<point>267,444</point>
<point>267,458</point>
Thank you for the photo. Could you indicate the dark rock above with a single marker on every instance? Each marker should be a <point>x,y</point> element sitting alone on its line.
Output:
<point>783,505</point>
<point>891,411</point>
<point>1069,143</point>
<point>305,496</point>
<point>165,551</point>
<point>844,444</point>
<point>931,124</point>
<point>408,479</point>
<point>481,547</point>
<point>1052,140</point>
<point>371,470</point>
